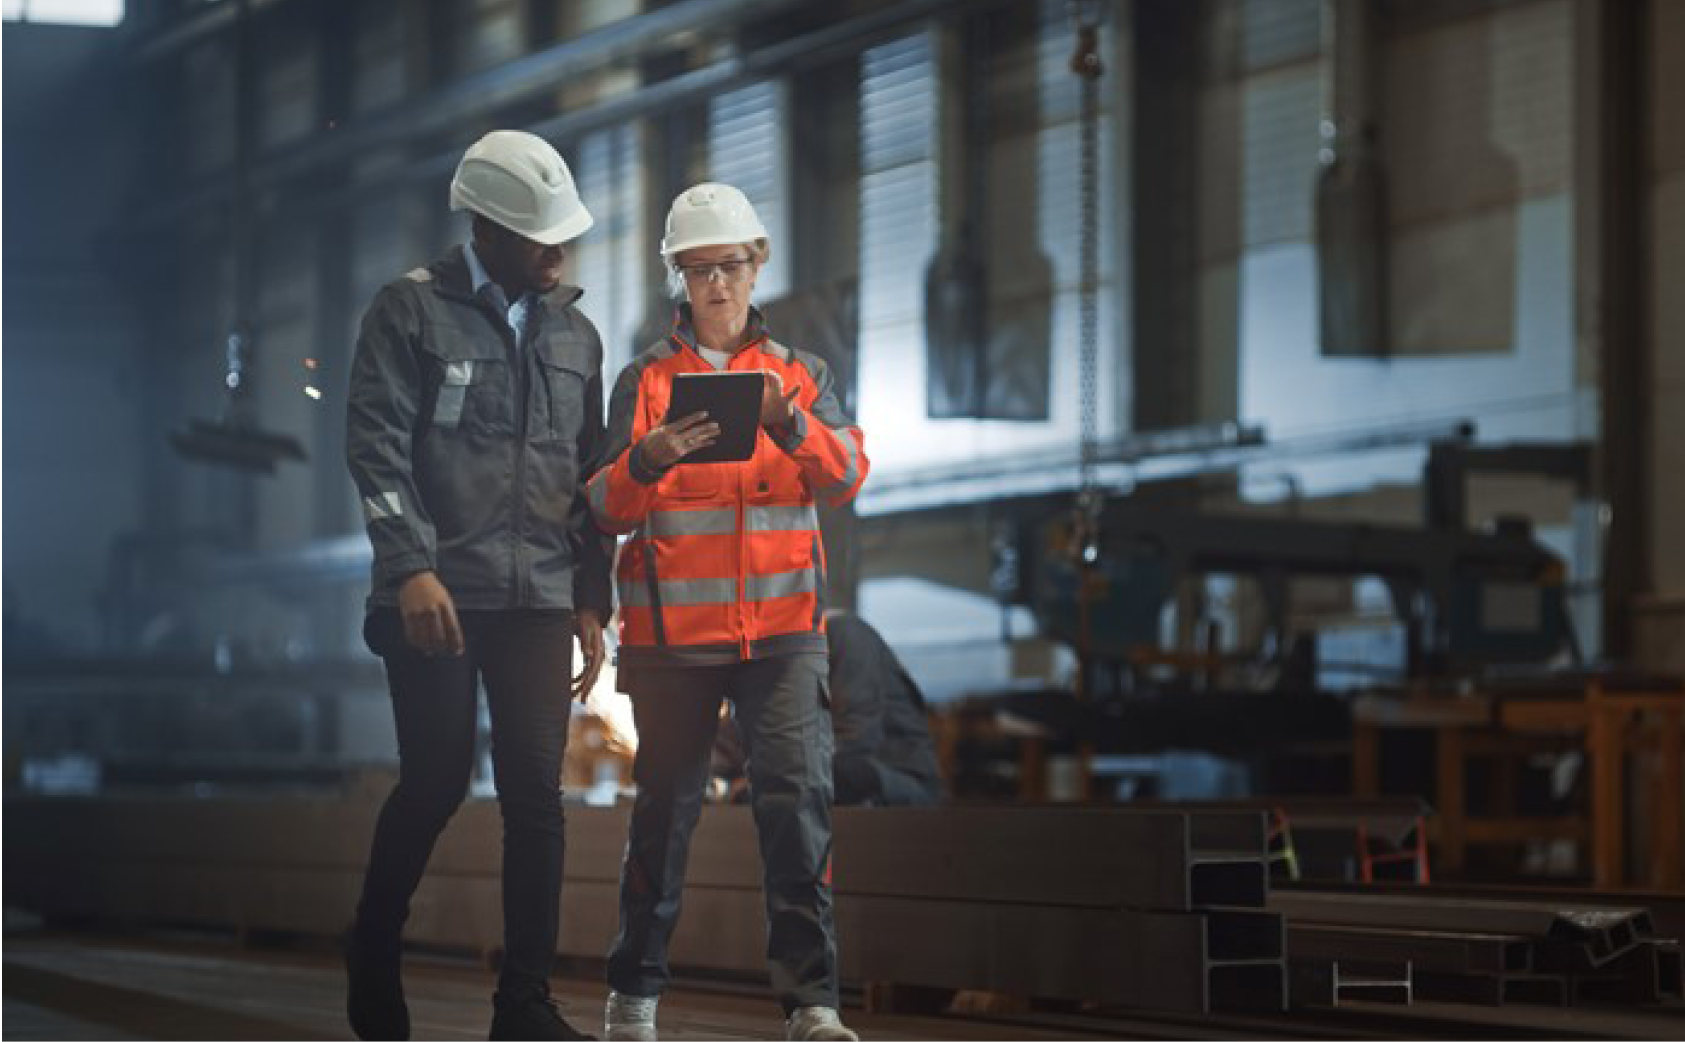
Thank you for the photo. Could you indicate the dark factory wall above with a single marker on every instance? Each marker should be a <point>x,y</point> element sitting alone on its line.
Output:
<point>76,383</point>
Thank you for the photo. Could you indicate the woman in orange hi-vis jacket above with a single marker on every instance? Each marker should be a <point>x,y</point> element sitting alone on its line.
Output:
<point>722,596</point>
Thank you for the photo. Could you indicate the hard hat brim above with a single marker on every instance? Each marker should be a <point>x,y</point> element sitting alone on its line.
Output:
<point>573,226</point>
<point>696,242</point>
<point>576,224</point>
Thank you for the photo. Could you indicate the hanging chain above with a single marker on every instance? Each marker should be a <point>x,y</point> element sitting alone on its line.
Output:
<point>1085,63</point>
<point>1085,529</point>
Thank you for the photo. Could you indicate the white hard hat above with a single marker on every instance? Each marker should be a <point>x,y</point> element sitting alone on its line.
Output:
<point>710,214</point>
<point>519,181</point>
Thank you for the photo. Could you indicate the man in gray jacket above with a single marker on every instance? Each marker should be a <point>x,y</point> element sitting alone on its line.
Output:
<point>475,418</point>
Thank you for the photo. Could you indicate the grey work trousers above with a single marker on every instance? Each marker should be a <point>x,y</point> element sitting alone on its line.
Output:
<point>782,712</point>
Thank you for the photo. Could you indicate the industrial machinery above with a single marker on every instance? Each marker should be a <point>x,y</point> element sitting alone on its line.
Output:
<point>1468,601</point>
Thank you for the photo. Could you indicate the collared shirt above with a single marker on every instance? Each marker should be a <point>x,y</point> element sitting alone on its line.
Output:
<point>518,311</point>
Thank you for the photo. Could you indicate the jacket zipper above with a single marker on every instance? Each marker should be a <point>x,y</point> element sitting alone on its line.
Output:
<point>743,540</point>
<point>523,390</point>
<point>743,646</point>
<point>742,567</point>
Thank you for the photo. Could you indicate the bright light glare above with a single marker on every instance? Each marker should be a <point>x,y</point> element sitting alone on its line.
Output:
<point>65,12</point>
<point>614,710</point>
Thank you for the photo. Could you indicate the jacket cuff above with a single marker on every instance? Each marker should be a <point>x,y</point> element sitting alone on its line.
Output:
<point>392,571</point>
<point>789,436</point>
<point>594,593</point>
<point>642,472</point>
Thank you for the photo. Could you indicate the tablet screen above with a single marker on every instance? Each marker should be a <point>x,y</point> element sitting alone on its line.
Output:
<point>732,400</point>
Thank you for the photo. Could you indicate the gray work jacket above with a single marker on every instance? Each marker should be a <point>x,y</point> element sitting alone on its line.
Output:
<point>469,451</point>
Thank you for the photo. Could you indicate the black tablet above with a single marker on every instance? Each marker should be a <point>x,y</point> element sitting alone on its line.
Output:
<point>732,400</point>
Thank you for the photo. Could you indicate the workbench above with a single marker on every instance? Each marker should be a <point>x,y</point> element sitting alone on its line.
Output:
<point>1634,736</point>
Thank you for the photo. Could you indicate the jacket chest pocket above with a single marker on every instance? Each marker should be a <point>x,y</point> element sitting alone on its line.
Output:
<point>564,368</point>
<point>472,390</point>
<point>695,480</point>
<point>776,477</point>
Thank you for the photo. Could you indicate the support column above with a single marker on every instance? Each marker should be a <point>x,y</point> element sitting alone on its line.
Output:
<point>1612,291</point>
<point>1164,143</point>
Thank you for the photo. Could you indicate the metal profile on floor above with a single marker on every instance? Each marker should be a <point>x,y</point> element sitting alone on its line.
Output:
<point>1334,982</point>
<point>1550,953</point>
<point>1424,949</point>
<point>1493,989</point>
<point>1604,930</point>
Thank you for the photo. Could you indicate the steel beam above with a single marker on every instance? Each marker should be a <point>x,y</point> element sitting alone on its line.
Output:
<point>1327,982</point>
<point>1424,949</point>
<point>1604,929</point>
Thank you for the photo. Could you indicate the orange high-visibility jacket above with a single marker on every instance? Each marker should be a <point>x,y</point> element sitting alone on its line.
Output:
<point>725,561</point>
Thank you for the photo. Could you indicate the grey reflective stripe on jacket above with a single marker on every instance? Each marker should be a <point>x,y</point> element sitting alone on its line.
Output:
<point>470,456</point>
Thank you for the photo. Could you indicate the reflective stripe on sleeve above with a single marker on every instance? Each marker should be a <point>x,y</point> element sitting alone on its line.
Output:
<point>384,505</point>
<point>852,471</point>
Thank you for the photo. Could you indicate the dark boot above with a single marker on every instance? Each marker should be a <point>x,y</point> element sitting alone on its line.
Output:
<point>374,994</point>
<point>532,1018</point>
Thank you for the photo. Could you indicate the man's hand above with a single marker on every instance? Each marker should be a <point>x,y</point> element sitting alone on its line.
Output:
<point>591,649</point>
<point>430,623</point>
<point>665,446</point>
<point>777,407</point>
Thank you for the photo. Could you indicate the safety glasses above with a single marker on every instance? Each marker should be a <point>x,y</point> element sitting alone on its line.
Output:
<point>727,271</point>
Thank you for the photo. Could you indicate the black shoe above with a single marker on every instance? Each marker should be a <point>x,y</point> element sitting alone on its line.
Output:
<point>374,994</point>
<point>535,1018</point>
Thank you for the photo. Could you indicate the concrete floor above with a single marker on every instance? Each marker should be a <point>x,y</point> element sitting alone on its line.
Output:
<point>97,986</point>
<point>60,985</point>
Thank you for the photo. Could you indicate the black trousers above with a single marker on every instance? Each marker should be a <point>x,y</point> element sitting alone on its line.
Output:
<point>780,705</point>
<point>525,659</point>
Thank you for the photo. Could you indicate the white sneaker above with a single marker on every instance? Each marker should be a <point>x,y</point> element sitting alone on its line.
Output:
<point>819,1023</point>
<point>629,1018</point>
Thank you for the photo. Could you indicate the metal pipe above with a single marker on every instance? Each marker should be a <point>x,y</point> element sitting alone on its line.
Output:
<point>186,30</point>
<point>464,101</point>
<point>1351,208</point>
<point>458,104</point>
<point>684,89</point>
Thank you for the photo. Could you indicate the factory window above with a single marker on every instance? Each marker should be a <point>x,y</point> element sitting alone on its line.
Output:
<point>611,260</point>
<point>746,150</point>
<point>100,13</point>
<point>1014,388</point>
<point>1032,149</point>
<point>897,232</point>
